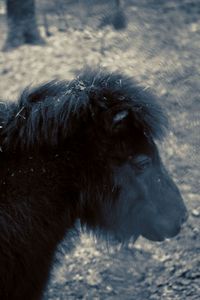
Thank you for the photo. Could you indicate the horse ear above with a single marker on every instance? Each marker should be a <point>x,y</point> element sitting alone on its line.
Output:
<point>120,121</point>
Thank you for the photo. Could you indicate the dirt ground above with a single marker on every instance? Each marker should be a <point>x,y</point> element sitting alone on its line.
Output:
<point>161,49</point>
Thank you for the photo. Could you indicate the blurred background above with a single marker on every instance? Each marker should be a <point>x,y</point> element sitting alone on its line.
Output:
<point>158,43</point>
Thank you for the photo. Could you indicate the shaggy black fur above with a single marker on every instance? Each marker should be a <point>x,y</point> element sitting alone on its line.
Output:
<point>56,110</point>
<point>79,150</point>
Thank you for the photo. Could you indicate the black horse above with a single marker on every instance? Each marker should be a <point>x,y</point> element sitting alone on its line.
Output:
<point>79,150</point>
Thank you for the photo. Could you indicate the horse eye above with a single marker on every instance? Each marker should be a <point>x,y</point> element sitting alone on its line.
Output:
<point>141,162</point>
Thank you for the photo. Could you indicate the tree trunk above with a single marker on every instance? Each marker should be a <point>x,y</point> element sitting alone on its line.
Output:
<point>22,26</point>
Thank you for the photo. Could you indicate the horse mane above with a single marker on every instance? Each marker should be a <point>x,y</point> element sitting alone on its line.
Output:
<point>57,109</point>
